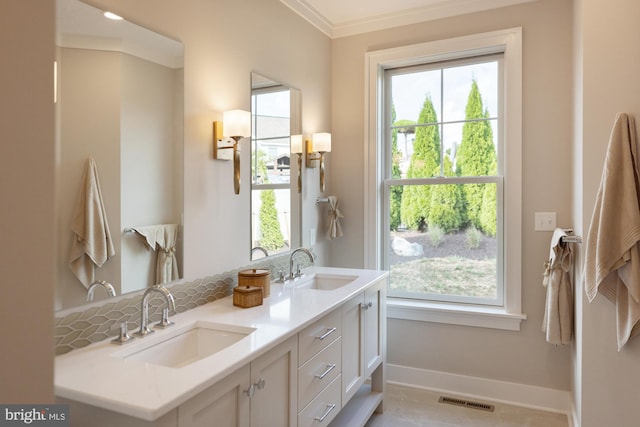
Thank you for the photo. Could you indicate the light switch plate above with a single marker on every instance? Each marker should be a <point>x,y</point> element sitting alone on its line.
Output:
<point>545,221</point>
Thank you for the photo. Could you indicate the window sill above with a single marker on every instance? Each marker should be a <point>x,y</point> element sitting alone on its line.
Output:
<point>453,314</point>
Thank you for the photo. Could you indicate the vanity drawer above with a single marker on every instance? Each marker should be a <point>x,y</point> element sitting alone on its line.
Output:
<point>317,336</point>
<point>323,408</point>
<point>318,372</point>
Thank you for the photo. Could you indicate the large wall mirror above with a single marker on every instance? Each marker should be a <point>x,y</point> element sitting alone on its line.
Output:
<point>119,101</point>
<point>275,200</point>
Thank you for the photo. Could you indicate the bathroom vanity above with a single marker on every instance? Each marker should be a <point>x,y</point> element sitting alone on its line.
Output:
<point>312,354</point>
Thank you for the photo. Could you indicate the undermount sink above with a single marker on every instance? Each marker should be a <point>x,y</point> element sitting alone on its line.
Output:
<point>321,281</point>
<point>200,340</point>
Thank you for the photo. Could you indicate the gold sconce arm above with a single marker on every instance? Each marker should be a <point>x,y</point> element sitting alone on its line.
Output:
<point>227,149</point>
<point>295,143</point>
<point>299,172</point>
<point>316,158</point>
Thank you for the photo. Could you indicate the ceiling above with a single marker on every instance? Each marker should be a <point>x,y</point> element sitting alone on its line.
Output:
<point>340,18</point>
<point>79,25</point>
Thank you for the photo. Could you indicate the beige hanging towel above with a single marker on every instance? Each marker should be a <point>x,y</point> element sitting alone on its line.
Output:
<point>558,312</point>
<point>612,260</point>
<point>162,239</point>
<point>335,229</point>
<point>92,245</point>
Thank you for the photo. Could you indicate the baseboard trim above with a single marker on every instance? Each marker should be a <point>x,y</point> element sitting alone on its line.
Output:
<point>528,396</point>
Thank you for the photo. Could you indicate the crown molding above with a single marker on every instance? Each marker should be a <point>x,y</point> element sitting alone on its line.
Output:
<point>444,9</point>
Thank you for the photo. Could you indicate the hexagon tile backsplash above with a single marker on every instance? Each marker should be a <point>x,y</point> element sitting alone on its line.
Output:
<point>77,328</point>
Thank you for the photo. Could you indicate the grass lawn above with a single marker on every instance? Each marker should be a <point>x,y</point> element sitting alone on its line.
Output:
<point>452,275</point>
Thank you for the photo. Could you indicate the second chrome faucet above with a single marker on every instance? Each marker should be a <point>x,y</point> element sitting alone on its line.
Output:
<point>298,273</point>
<point>144,309</point>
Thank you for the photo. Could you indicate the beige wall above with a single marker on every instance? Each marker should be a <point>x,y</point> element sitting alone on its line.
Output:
<point>607,392</point>
<point>27,209</point>
<point>521,357</point>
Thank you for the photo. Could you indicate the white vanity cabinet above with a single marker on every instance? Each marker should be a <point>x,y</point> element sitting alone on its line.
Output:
<point>262,394</point>
<point>363,354</point>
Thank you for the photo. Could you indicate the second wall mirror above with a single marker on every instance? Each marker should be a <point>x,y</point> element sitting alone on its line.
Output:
<point>275,201</point>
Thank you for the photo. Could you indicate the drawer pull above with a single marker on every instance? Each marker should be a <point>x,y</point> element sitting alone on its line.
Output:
<point>251,390</point>
<point>366,306</point>
<point>324,374</point>
<point>326,334</point>
<point>260,384</point>
<point>326,413</point>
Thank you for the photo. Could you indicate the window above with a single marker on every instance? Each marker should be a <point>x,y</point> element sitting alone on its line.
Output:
<point>270,171</point>
<point>444,178</point>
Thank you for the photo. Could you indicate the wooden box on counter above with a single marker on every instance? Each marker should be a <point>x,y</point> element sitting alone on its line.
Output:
<point>247,296</point>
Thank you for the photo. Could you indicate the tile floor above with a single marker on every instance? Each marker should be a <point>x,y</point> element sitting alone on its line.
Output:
<point>410,407</point>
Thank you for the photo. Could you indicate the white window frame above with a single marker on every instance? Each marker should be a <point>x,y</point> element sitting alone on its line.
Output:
<point>508,42</point>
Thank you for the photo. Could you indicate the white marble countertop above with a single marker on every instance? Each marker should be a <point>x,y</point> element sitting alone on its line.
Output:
<point>98,375</point>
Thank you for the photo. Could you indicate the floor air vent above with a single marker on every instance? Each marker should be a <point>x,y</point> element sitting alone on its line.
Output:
<point>466,403</point>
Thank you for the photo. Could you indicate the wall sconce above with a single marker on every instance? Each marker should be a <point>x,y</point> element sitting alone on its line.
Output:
<point>296,148</point>
<point>235,125</point>
<point>321,143</point>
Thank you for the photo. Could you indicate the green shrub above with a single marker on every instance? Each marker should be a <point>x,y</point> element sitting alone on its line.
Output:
<point>436,235</point>
<point>474,237</point>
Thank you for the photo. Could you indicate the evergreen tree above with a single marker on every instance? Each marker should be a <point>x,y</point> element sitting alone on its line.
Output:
<point>270,232</point>
<point>476,155</point>
<point>489,208</point>
<point>424,163</point>
<point>447,203</point>
<point>271,235</point>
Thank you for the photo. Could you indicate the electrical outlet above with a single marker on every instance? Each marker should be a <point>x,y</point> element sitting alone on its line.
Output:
<point>545,221</point>
<point>312,237</point>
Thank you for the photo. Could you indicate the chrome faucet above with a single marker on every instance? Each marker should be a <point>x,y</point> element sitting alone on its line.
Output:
<point>259,248</point>
<point>144,309</point>
<point>111,292</point>
<point>292,275</point>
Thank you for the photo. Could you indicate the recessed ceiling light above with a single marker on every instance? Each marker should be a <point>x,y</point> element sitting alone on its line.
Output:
<point>113,16</point>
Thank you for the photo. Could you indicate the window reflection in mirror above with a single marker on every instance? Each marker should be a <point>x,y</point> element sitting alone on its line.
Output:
<point>270,171</point>
<point>274,212</point>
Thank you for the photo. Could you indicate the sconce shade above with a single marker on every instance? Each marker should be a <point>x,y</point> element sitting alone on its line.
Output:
<point>296,144</point>
<point>322,142</point>
<point>236,123</point>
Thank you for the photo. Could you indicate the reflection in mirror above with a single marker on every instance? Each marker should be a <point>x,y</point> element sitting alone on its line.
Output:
<point>120,102</point>
<point>275,207</point>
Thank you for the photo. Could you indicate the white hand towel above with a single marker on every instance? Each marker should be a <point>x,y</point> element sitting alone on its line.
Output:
<point>92,245</point>
<point>335,229</point>
<point>164,237</point>
<point>558,313</point>
<point>612,261</point>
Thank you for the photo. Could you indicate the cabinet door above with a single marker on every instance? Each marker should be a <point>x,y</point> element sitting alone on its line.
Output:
<point>374,318</point>
<point>352,347</point>
<point>225,404</point>
<point>275,378</point>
